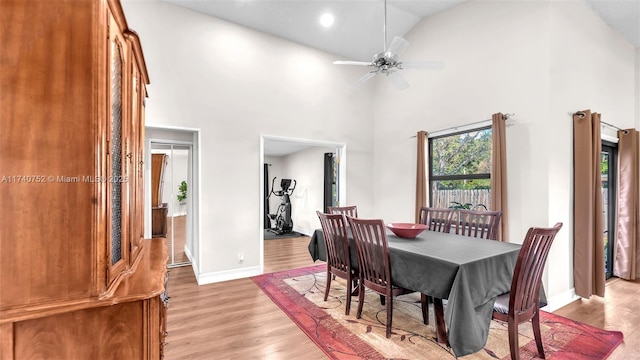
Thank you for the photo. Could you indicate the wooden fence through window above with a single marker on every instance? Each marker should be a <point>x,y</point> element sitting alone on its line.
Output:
<point>475,197</point>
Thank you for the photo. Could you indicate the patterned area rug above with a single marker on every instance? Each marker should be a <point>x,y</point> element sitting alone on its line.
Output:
<point>300,294</point>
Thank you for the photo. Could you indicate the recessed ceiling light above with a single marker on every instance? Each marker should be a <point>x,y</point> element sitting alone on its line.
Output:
<point>327,19</point>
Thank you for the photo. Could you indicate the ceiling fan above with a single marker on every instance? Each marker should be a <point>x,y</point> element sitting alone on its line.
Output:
<point>387,62</point>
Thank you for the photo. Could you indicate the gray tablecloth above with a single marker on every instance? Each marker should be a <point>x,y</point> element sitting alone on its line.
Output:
<point>469,272</point>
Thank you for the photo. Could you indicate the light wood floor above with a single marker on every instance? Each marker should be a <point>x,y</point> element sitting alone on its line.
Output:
<point>618,310</point>
<point>236,320</point>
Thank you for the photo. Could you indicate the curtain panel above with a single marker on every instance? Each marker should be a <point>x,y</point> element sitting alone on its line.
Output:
<point>627,247</point>
<point>499,173</point>
<point>422,173</point>
<point>588,229</point>
<point>267,220</point>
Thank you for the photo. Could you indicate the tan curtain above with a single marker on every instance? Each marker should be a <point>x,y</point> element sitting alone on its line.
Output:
<point>422,174</point>
<point>499,172</point>
<point>627,247</point>
<point>588,230</point>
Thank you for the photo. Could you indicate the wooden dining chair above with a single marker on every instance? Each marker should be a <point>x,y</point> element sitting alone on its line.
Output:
<point>351,210</point>
<point>334,231</point>
<point>522,302</point>
<point>375,268</point>
<point>436,218</point>
<point>478,224</point>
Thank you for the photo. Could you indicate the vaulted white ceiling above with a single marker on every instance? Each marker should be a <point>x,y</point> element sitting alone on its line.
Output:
<point>357,33</point>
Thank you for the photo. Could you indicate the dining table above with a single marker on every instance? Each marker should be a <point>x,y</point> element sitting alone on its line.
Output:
<point>468,272</point>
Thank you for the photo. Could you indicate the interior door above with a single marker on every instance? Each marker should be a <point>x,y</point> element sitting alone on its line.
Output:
<point>608,167</point>
<point>176,199</point>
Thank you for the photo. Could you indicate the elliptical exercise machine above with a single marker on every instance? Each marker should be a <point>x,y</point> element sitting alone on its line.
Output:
<point>282,218</point>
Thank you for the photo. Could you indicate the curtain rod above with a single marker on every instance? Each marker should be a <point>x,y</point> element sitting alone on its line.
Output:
<point>581,114</point>
<point>504,117</point>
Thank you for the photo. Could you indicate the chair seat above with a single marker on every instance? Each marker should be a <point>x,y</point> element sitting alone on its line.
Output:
<point>502,304</point>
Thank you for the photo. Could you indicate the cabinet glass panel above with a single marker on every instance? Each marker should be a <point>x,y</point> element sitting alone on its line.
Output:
<point>116,153</point>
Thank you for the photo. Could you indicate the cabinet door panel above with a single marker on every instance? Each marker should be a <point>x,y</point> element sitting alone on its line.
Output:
<point>116,165</point>
<point>110,332</point>
<point>47,148</point>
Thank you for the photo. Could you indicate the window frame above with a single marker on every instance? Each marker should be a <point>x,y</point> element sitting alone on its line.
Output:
<point>433,178</point>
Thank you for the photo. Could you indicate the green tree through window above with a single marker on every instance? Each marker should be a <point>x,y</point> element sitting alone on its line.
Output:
<point>460,168</point>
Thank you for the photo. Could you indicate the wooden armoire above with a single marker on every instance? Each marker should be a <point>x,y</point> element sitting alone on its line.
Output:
<point>77,278</point>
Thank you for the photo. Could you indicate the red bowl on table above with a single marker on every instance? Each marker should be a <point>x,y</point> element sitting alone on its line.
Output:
<point>407,230</point>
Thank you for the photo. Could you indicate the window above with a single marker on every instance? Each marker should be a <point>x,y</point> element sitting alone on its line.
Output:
<point>460,169</point>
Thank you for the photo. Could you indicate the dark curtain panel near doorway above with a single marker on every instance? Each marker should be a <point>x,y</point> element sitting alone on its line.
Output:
<point>267,221</point>
<point>329,178</point>
<point>588,227</point>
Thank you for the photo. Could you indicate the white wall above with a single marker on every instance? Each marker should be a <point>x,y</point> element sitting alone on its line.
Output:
<point>487,70</point>
<point>307,168</point>
<point>235,84</point>
<point>540,60</point>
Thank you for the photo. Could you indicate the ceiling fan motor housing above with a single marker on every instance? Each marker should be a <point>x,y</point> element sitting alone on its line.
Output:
<point>385,61</point>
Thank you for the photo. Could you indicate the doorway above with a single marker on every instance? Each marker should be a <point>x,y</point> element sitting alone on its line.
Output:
<point>609,156</point>
<point>172,208</point>
<point>169,215</point>
<point>309,192</point>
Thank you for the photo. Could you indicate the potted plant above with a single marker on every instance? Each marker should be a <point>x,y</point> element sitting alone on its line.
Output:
<point>182,192</point>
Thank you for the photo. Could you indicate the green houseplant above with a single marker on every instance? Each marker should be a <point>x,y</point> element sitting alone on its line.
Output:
<point>182,191</point>
<point>468,206</point>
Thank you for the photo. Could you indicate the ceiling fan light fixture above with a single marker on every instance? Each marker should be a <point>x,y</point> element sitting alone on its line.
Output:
<point>387,62</point>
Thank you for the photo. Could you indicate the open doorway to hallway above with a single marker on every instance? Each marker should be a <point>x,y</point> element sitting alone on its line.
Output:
<point>302,160</point>
<point>172,205</point>
<point>170,172</point>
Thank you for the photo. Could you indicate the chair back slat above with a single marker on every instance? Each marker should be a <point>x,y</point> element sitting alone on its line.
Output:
<point>373,252</point>
<point>334,229</point>
<point>351,210</point>
<point>527,276</point>
<point>478,224</point>
<point>436,219</point>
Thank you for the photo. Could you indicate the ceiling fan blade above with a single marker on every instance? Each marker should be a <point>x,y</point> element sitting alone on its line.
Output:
<point>361,63</point>
<point>398,45</point>
<point>419,65</point>
<point>397,80</point>
<point>364,78</point>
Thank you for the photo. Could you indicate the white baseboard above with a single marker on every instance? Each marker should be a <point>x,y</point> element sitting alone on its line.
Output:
<point>302,231</point>
<point>214,277</point>
<point>556,302</point>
